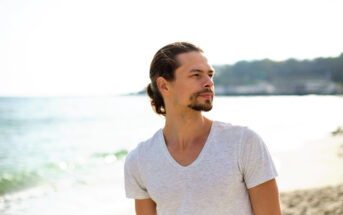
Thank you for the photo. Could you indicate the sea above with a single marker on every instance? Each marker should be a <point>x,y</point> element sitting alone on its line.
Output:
<point>65,155</point>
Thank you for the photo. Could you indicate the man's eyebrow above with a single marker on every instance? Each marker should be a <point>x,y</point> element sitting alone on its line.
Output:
<point>199,70</point>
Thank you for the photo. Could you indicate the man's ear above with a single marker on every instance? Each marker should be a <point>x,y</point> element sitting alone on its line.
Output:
<point>162,85</point>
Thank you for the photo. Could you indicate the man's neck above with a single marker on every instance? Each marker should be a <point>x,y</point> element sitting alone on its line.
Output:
<point>183,130</point>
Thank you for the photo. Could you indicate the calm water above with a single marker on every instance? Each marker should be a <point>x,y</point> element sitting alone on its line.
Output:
<point>65,155</point>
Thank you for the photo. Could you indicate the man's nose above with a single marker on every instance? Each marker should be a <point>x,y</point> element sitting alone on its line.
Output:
<point>208,82</point>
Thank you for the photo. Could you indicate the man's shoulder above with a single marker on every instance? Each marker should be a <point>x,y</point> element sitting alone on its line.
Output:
<point>144,146</point>
<point>239,132</point>
<point>229,127</point>
<point>246,134</point>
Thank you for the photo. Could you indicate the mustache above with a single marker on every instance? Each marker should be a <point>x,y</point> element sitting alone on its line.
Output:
<point>204,91</point>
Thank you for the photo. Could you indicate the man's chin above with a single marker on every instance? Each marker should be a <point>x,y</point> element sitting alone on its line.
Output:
<point>201,107</point>
<point>208,109</point>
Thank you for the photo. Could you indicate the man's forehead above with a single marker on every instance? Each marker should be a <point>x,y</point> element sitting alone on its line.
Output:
<point>191,58</point>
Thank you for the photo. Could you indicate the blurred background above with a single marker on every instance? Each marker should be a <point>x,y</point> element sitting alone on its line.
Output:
<point>73,104</point>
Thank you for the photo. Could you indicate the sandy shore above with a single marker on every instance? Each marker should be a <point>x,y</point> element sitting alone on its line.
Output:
<point>311,179</point>
<point>317,201</point>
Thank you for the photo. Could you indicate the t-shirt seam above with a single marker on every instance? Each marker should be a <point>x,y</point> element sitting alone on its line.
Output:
<point>139,169</point>
<point>241,147</point>
<point>273,174</point>
<point>136,195</point>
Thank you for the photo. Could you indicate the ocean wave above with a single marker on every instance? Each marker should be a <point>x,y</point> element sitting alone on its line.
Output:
<point>51,173</point>
<point>118,155</point>
<point>11,182</point>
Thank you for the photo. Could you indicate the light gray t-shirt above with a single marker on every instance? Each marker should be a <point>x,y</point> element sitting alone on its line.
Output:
<point>233,159</point>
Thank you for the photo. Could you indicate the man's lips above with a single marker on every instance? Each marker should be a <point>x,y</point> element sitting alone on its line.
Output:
<point>206,95</point>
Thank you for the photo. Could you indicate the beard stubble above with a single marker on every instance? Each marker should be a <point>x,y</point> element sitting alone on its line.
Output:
<point>197,106</point>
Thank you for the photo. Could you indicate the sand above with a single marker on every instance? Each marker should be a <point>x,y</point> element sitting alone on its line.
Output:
<point>311,179</point>
<point>317,201</point>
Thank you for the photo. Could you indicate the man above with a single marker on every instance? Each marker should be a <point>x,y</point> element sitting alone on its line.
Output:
<point>194,165</point>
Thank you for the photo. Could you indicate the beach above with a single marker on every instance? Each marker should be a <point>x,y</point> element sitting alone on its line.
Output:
<point>327,200</point>
<point>315,177</point>
<point>71,150</point>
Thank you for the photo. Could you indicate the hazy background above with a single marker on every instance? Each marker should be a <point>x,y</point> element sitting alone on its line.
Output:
<point>104,47</point>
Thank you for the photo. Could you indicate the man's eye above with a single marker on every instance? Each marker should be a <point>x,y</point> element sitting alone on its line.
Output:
<point>196,75</point>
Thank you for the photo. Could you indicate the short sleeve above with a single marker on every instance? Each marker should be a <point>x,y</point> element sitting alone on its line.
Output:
<point>256,162</point>
<point>134,187</point>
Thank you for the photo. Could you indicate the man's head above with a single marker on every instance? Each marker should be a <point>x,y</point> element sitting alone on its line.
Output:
<point>180,73</point>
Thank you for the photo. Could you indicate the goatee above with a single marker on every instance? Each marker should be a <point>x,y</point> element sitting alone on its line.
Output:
<point>195,105</point>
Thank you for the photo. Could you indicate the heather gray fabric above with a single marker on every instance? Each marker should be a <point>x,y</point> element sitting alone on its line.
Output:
<point>234,159</point>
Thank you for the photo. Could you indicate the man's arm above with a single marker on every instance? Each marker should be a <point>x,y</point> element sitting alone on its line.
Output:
<point>145,207</point>
<point>265,198</point>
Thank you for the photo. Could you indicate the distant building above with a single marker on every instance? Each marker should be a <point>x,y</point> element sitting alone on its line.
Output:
<point>260,87</point>
<point>285,86</point>
<point>305,86</point>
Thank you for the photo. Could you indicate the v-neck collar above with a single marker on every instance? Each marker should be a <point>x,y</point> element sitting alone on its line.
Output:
<point>200,155</point>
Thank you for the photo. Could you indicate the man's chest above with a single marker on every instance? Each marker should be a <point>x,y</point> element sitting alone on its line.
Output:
<point>213,176</point>
<point>186,157</point>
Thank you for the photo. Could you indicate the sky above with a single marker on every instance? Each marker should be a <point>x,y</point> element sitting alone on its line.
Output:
<point>104,47</point>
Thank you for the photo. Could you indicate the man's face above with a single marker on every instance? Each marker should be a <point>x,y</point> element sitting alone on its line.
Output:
<point>193,85</point>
